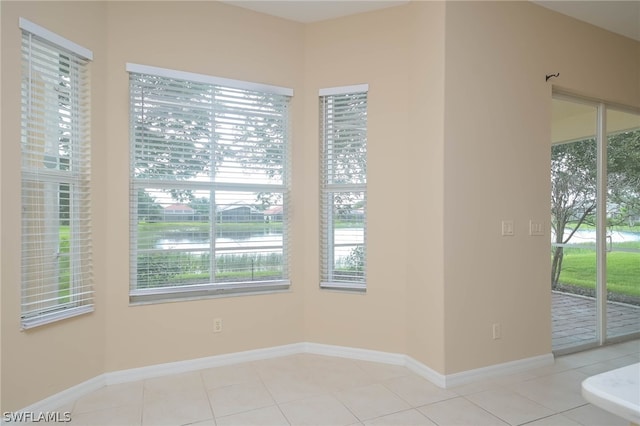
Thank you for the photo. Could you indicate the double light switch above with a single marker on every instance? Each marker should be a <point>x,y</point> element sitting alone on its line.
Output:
<point>508,228</point>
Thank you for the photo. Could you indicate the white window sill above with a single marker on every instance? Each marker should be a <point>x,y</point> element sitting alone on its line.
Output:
<point>205,291</point>
<point>350,287</point>
<point>53,316</point>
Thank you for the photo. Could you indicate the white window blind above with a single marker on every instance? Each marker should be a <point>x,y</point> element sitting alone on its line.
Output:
<point>209,186</point>
<point>343,192</point>
<point>56,220</point>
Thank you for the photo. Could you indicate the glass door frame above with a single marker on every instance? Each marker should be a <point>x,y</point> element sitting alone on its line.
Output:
<point>601,209</point>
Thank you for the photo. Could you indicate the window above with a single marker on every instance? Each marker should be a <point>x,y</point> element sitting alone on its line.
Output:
<point>56,221</point>
<point>209,185</point>
<point>343,192</point>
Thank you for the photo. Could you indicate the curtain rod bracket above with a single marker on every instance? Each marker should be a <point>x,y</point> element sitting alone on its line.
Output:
<point>548,76</point>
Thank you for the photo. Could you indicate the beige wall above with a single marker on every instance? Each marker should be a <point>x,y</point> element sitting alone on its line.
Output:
<point>459,134</point>
<point>425,234</point>
<point>399,52</point>
<point>42,361</point>
<point>496,161</point>
<point>372,48</point>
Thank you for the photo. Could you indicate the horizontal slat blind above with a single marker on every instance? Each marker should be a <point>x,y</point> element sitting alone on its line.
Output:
<point>56,219</point>
<point>209,186</point>
<point>343,133</point>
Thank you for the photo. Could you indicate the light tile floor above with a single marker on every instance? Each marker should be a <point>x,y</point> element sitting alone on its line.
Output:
<point>310,389</point>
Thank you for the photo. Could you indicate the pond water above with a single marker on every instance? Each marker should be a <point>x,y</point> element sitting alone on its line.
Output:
<point>589,236</point>
<point>201,242</point>
<point>345,240</point>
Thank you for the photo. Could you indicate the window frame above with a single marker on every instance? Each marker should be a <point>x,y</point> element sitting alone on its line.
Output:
<point>328,189</point>
<point>210,289</point>
<point>41,183</point>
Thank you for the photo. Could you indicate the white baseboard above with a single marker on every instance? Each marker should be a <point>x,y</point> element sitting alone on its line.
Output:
<point>131,375</point>
<point>67,396</point>
<point>490,371</point>
<point>159,370</point>
<point>438,379</point>
<point>378,356</point>
<point>425,372</point>
<point>354,353</point>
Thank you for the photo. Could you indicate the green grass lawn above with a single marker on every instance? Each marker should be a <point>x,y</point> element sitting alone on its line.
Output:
<point>623,270</point>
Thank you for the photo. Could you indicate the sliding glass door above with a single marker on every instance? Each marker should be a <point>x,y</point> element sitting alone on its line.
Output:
<point>623,223</point>
<point>595,223</point>
<point>573,220</point>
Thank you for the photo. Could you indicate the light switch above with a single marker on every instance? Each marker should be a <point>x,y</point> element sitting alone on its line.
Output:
<point>535,229</point>
<point>507,228</point>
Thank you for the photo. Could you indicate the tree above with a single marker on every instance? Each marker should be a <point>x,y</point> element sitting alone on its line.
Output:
<point>573,187</point>
<point>573,194</point>
<point>148,209</point>
<point>623,165</point>
<point>186,131</point>
<point>345,135</point>
<point>202,207</point>
<point>252,140</point>
<point>252,136</point>
<point>172,130</point>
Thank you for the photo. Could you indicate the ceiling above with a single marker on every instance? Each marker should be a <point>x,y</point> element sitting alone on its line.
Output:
<point>622,17</point>
<point>306,11</point>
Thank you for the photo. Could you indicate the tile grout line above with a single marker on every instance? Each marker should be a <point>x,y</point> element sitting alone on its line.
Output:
<point>206,394</point>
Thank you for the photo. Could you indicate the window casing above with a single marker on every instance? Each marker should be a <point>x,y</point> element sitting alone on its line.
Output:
<point>209,185</point>
<point>343,192</point>
<point>55,180</point>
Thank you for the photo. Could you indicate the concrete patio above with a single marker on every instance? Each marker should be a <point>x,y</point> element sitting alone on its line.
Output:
<point>574,320</point>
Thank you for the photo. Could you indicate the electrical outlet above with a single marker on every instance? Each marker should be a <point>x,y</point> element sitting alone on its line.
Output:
<point>497,332</point>
<point>217,325</point>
